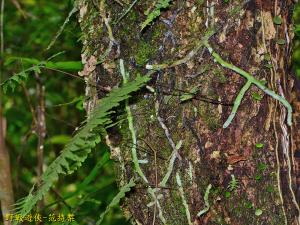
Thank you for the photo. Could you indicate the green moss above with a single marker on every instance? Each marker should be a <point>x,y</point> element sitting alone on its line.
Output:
<point>199,2</point>
<point>176,210</point>
<point>219,74</point>
<point>133,15</point>
<point>144,52</point>
<point>157,31</point>
<point>209,116</point>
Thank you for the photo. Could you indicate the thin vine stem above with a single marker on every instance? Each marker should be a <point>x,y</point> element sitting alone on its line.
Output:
<point>252,80</point>
<point>131,128</point>
<point>237,103</point>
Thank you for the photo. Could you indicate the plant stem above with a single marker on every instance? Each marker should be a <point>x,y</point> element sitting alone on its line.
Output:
<point>252,80</point>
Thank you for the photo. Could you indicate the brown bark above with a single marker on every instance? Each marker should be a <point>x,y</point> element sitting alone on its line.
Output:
<point>40,131</point>
<point>6,189</point>
<point>246,37</point>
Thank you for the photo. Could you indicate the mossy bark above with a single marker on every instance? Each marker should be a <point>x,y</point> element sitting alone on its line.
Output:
<point>258,149</point>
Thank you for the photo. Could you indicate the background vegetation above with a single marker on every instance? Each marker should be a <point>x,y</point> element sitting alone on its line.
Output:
<point>27,33</point>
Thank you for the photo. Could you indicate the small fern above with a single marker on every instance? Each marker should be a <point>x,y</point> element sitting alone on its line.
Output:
<point>161,4</point>
<point>14,81</point>
<point>233,184</point>
<point>19,78</point>
<point>77,150</point>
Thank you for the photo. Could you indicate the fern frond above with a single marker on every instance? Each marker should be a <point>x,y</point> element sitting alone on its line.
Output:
<point>77,150</point>
<point>22,76</point>
<point>161,4</point>
<point>233,184</point>
<point>16,79</point>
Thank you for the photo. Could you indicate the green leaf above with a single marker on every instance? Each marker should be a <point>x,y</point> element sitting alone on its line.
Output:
<point>258,177</point>
<point>161,4</point>
<point>267,57</point>
<point>79,105</point>
<point>14,81</point>
<point>258,212</point>
<point>277,20</point>
<point>262,167</point>
<point>59,139</point>
<point>23,60</point>
<point>189,95</point>
<point>116,200</point>
<point>68,65</point>
<point>259,145</point>
<point>256,96</point>
<point>249,205</point>
<point>227,194</point>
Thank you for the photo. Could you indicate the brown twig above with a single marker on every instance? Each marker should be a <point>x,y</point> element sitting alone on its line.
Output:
<point>156,177</point>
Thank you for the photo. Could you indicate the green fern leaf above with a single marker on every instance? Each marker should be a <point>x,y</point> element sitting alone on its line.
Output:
<point>233,184</point>
<point>161,4</point>
<point>19,78</point>
<point>77,150</point>
<point>14,81</point>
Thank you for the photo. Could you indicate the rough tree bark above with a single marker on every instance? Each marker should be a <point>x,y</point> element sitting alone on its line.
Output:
<point>258,149</point>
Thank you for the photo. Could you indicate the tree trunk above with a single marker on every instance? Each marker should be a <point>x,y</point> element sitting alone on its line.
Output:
<point>6,189</point>
<point>246,173</point>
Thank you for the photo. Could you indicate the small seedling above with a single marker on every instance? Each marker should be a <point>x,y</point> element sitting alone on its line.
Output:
<point>258,212</point>
<point>259,145</point>
<point>233,184</point>
<point>227,194</point>
<point>256,96</point>
<point>267,57</point>
<point>258,177</point>
<point>249,205</point>
<point>262,167</point>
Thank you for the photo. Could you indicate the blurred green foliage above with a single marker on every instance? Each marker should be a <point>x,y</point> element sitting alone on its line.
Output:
<point>296,56</point>
<point>27,35</point>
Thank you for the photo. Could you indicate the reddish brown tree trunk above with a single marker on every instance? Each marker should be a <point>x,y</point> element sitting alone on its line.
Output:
<point>258,150</point>
<point>6,189</point>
